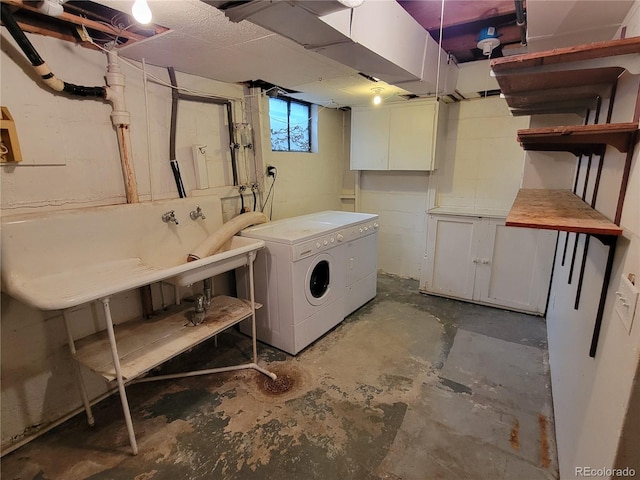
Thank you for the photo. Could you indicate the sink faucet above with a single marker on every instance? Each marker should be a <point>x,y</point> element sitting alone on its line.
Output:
<point>197,213</point>
<point>169,216</point>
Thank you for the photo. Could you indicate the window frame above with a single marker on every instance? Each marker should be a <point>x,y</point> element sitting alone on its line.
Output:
<point>289,101</point>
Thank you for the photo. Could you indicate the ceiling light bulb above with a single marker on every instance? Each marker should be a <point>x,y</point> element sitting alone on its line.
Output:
<point>377,100</point>
<point>141,11</point>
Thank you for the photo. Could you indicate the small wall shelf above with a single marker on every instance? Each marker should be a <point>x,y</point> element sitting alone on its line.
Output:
<point>558,210</point>
<point>580,139</point>
<point>9,138</point>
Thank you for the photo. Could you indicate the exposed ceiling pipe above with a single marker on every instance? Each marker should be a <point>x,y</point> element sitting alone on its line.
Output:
<point>39,65</point>
<point>113,93</point>
<point>521,21</point>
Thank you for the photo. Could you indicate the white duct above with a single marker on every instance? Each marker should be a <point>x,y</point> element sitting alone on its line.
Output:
<point>378,38</point>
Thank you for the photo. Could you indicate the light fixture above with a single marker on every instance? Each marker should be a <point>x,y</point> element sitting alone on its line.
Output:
<point>377,99</point>
<point>141,11</point>
<point>488,40</point>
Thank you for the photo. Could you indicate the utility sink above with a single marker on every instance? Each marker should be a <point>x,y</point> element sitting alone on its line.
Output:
<point>57,260</point>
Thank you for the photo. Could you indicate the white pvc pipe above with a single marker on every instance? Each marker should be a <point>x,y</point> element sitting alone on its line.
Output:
<point>121,119</point>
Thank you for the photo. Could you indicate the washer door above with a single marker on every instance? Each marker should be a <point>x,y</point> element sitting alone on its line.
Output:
<point>318,279</point>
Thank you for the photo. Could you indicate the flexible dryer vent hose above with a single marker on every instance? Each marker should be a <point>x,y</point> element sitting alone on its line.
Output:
<point>216,240</point>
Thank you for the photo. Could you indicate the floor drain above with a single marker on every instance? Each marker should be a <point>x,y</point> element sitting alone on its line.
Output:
<point>280,385</point>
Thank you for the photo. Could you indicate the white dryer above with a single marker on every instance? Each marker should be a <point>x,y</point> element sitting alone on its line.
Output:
<point>301,276</point>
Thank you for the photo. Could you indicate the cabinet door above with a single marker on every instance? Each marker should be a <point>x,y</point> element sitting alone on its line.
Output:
<point>452,247</point>
<point>370,139</point>
<point>411,135</point>
<point>514,267</point>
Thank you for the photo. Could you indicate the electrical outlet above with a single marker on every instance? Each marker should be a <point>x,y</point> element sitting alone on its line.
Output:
<point>626,301</point>
<point>271,171</point>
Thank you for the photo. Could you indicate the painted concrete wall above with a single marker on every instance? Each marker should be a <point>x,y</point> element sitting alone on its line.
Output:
<point>401,200</point>
<point>306,182</point>
<point>484,162</point>
<point>479,170</point>
<point>594,401</point>
<point>72,160</point>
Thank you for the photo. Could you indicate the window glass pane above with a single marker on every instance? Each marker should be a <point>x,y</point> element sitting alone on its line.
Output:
<point>279,124</point>
<point>290,125</point>
<point>299,127</point>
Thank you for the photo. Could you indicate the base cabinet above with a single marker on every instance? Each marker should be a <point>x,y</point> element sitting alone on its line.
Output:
<point>481,260</point>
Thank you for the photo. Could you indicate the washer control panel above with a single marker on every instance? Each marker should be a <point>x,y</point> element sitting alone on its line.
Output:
<point>361,230</point>
<point>331,240</point>
<point>317,245</point>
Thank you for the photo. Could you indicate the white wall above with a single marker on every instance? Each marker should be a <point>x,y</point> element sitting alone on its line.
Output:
<point>76,142</point>
<point>484,162</point>
<point>305,182</point>
<point>592,396</point>
<point>401,200</point>
<point>479,171</point>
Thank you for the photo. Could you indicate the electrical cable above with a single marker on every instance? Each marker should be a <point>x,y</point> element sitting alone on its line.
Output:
<point>269,195</point>
<point>255,198</point>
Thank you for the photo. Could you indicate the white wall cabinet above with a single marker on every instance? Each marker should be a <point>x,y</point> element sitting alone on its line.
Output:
<point>399,136</point>
<point>480,260</point>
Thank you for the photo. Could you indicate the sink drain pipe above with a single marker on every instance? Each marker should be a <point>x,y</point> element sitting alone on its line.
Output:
<point>113,93</point>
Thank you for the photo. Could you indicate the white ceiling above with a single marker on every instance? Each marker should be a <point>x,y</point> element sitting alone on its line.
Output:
<point>202,41</point>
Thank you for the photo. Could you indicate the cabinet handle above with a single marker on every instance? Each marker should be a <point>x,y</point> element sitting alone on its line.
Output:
<point>475,260</point>
<point>486,261</point>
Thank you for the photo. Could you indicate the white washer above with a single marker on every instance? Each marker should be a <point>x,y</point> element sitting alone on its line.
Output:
<point>302,275</point>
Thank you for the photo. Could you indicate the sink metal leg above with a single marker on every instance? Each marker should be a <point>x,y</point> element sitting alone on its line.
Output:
<point>83,391</point>
<point>252,256</point>
<point>116,364</point>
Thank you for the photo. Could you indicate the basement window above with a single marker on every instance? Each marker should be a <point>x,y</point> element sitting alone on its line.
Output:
<point>290,125</point>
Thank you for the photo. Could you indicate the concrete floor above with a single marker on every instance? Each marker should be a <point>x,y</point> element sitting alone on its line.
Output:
<point>408,387</point>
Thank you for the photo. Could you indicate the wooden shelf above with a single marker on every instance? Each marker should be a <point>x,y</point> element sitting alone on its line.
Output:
<point>9,138</point>
<point>580,139</point>
<point>564,79</point>
<point>558,210</point>
<point>145,344</point>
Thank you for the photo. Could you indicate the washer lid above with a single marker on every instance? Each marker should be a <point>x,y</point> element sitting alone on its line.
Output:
<point>291,230</point>
<point>305,227</point>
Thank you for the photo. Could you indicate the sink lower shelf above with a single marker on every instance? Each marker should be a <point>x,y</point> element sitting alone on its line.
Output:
<point>145,344</point>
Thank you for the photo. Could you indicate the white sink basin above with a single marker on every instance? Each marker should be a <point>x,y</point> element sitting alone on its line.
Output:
<point>62,259</point>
